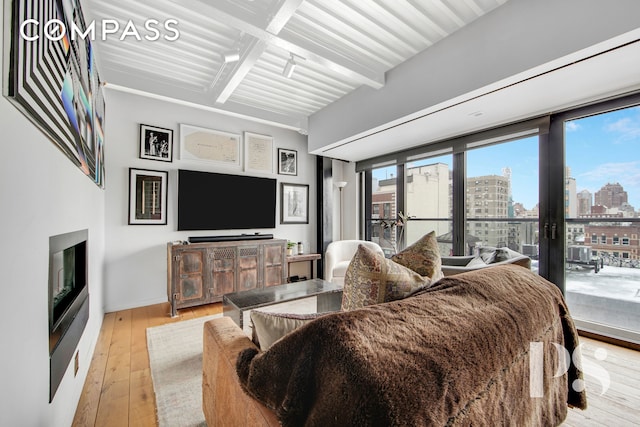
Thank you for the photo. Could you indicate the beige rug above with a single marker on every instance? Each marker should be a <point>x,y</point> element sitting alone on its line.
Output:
<point>175,356</point>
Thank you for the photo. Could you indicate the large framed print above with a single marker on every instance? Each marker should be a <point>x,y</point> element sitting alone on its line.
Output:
<point>53,79</point>
<point>209,145</point>
<point>156,143</point>
<point>294,203</point>
<point>258,153</point>
<point>147,197</point>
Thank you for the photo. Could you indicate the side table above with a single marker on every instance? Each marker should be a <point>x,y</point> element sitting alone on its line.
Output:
<point>302,258</point>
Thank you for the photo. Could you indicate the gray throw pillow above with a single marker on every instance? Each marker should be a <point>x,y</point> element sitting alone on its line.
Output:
<point>270,327</point>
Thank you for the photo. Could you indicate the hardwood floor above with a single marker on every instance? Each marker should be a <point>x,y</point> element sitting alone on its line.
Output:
<point>119,391</point>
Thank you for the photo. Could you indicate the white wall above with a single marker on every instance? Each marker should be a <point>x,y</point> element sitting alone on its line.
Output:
<point>41,194</point>
<point>136,260</point>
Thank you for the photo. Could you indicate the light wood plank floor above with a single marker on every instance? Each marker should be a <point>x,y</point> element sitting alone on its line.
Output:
<point>119,391</point>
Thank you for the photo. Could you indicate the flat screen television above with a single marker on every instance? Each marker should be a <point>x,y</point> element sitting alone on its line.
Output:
<point>216,201</point>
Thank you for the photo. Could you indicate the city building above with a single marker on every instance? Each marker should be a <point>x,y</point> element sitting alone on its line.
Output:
<point>611,196</point>
<point>585,201</point>
<point>616,244</point>
<point>487,198</point>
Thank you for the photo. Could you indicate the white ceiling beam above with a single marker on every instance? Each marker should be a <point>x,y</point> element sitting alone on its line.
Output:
<point>311,52</point>
<point>252,50</point>
<point>250,53</point>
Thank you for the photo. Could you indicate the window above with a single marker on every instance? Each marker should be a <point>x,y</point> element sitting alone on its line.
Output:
<point>501,204</point>
<point>603,143</point>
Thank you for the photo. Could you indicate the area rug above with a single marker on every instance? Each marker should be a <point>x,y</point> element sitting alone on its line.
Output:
<point>175,357</point>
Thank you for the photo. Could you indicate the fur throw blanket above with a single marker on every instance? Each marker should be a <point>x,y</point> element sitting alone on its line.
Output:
<point>457,353</point>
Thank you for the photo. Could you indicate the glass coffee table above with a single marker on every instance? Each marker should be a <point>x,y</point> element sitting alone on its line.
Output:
<point>328,298</point>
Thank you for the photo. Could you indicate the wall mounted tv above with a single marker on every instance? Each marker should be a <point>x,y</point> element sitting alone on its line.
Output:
<point>216,201</point>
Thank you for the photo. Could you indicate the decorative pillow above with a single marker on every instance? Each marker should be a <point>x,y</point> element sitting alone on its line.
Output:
<point>491,255</point>
<point>372,279</point>
<point>423,257</point>
<point>270,327</point>
<point>476,262</point>
<point>487,253</point>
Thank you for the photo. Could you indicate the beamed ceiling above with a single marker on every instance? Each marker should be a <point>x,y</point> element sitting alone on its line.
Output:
<point>346,48</point>
<point>337,46</point>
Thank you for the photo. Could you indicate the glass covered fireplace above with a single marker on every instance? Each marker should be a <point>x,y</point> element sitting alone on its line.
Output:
<point>68,300</point>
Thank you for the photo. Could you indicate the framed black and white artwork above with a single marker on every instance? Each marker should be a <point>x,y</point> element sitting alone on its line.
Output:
<point>294,203</point>
<point>147,197</point>
<point>156,143</point>
<point>287,162</point>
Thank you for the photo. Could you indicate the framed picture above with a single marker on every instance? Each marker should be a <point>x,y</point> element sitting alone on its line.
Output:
<point>197,143</point>
<point>147,197</point>
<point>287,162</point>
<point>54,81</point>
<point>156,143</point>
<point>258,153</point>
<point>294,203</point>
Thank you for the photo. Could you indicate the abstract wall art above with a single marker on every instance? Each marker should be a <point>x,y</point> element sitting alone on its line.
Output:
<point>50,75</point>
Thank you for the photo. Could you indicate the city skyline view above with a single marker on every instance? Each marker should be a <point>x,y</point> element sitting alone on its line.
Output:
<point>600,149</point>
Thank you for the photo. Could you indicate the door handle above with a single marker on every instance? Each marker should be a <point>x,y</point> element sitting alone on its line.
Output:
<point>546,230</point>
<point>554,231</point>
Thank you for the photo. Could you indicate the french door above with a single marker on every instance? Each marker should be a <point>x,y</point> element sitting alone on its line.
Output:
<point>591,245</point>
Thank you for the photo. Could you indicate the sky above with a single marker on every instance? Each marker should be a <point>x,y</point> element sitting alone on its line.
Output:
<point>599,150</point>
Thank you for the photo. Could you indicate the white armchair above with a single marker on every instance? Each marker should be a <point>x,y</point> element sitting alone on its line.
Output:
<point>338,257</point>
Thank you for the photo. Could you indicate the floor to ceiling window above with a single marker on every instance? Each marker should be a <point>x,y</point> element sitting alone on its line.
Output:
<point>502,207</point>
<point>429,207</point>
<point>382,223</point>
<point>602,229</point>
<point>562,189</point>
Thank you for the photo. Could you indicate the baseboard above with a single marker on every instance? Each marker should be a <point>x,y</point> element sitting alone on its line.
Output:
<point>619,337</point>
<point>137,304</point>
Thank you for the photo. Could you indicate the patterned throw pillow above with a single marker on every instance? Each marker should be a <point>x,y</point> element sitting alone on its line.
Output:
<point>372,279</point>
<point>423,257</point>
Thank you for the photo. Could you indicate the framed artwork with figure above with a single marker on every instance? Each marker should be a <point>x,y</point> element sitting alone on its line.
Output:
<point>156,143</point>
<point>287,162</point>
<point>294,203</point>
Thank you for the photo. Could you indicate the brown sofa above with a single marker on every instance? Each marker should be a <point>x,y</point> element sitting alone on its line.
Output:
<point>332,371</point>
<point>224,401</point>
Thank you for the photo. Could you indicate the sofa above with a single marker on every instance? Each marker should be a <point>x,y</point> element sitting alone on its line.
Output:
<point>487,256</point>
<point>456,353</point>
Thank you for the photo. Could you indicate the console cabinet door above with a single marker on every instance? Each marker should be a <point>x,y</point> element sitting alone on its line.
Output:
<point>274,269</point>
<point>223,271</point>
<point>190,288</point>
<point>247,268</point>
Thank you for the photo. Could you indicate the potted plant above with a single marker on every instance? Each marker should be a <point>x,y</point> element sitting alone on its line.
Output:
<point>290,246</point>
